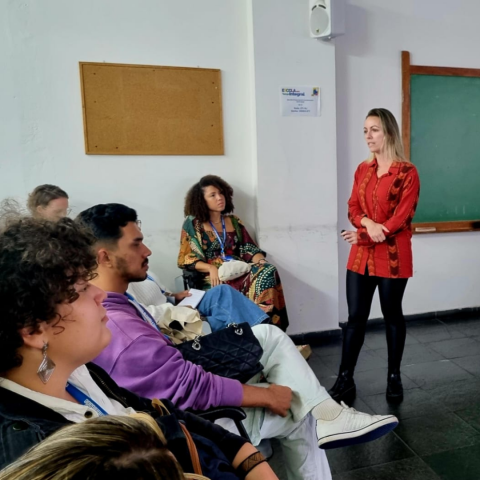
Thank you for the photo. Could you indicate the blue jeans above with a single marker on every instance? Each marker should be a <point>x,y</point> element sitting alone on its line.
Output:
<point>222,305</point>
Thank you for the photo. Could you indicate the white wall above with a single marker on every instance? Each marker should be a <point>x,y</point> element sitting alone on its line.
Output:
<point>296,163</point>
<point>284,170</point>
<point>41,126</point>
<point>438,33</point>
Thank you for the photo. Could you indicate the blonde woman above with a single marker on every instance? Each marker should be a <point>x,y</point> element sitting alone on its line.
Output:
<point>381,208</point>
<point>103,448</point>
<point>49,202</point>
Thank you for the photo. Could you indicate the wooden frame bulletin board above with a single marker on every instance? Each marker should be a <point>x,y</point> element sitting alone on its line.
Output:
<point>407,71</point>
<point>151,110</point>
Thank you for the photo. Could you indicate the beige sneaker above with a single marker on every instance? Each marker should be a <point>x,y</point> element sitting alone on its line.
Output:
<point>305,350</point>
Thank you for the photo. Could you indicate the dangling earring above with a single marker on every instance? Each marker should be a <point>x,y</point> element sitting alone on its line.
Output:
<point>47,366</point>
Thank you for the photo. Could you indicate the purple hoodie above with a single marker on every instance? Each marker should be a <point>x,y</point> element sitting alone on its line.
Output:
<point>142,360</point>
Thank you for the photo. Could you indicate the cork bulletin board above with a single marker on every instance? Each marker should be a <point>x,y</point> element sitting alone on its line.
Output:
<point>151,110</point>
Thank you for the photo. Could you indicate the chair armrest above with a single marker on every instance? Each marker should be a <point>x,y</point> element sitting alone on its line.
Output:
<point>192,279</point>
<point>234,413</point>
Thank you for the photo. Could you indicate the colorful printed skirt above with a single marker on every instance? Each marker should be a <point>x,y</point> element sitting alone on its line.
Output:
<point>264,287</point>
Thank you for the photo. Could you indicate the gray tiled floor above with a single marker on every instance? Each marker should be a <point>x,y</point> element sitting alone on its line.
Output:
<point>439,432</point>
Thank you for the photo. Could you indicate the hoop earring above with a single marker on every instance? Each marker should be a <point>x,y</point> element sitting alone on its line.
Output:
<point>47,366</point>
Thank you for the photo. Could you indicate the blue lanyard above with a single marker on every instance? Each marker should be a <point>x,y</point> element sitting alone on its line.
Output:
<point>146,316</point>
<point>143,312</point>
<point>154,281</point>
<point>222,244</point>
<point>80,397</point>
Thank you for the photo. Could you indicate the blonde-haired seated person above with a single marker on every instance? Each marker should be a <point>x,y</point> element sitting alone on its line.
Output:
<point>103,448</point>
<point>49,202</point>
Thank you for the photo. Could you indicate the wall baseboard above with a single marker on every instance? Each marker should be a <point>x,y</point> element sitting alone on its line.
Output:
<point>326,336</point>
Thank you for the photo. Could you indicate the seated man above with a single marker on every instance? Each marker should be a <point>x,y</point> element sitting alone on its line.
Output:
<point>139,357</point>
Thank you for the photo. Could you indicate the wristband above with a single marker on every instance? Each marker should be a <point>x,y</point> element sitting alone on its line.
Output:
<point>250,463</point>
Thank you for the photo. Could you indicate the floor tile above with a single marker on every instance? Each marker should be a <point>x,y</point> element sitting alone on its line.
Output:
<point>456,348</point>
<point>467,327</point>
<point>425,334</point>
<point>426,323</point>
<point>471,415</point>
<point>409,469</point>
<point>320,367</point>
<point>416,353</point>
<point>416,403</point>
<point>372,382</point>
<point>384,450</point>
<point>431,374</point>
<point>459,464</point>
<point>367,360</point>
<point>329,349</point>
<point>436,433</point>
<point>377,339</point>
<point>459,395</point>
<point>470,364</point>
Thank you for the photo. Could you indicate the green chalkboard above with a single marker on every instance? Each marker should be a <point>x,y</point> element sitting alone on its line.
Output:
<point>445,146</point>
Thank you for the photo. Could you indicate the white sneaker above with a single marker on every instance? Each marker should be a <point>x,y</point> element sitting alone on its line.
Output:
<point>352,427</point>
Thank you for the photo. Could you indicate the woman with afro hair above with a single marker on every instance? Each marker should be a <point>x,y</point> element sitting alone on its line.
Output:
<point>212,235</point>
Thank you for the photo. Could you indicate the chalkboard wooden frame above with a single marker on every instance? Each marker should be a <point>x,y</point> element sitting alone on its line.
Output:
<point>407,71</point>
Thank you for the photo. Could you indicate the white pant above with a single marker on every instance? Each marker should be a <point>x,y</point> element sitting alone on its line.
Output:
<point>284,365</point>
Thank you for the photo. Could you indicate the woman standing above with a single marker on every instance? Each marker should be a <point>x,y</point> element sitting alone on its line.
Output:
<point>211,237</point>
<point>381,207</point>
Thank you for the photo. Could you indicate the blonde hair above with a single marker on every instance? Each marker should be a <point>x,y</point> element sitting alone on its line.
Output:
<point>42,196</point>
<point>393,141</point>
<point>105,448</point>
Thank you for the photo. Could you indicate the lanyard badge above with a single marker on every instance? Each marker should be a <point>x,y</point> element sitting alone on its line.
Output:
<point>222,243</point>
<point>83,399</point>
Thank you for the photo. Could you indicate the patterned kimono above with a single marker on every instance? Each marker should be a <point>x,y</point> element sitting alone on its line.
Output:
<point>262,284</point>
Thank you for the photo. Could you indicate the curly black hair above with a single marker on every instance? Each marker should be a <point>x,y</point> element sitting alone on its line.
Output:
<point>195,204</point>
<point>40,263</point>
<point>106,220</point>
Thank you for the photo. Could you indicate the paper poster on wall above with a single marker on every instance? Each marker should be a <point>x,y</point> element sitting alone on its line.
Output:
<point>301,101</point>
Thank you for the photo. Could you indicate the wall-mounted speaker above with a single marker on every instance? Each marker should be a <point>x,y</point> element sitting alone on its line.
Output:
<point>327,18</point>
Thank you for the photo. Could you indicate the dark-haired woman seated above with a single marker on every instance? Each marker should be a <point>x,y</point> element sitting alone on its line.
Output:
<point>52,324</point>
<point>212,236</point>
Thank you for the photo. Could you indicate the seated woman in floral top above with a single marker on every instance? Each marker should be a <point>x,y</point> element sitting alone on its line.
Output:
<point>211,236</point>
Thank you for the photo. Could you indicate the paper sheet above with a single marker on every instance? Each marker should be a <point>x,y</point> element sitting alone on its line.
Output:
<point>194,300</point>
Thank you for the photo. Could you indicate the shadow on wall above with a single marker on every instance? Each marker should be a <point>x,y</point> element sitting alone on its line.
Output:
<point>356,43</point>
<point>306,303</point>
<point>356,38</point>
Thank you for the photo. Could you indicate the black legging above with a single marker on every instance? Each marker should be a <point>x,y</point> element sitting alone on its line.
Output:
<point>360,290</point>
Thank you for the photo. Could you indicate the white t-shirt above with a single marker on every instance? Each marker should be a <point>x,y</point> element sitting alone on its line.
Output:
<point>74,412</point>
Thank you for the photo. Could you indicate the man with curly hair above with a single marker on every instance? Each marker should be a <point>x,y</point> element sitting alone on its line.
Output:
<point>291,405</point>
